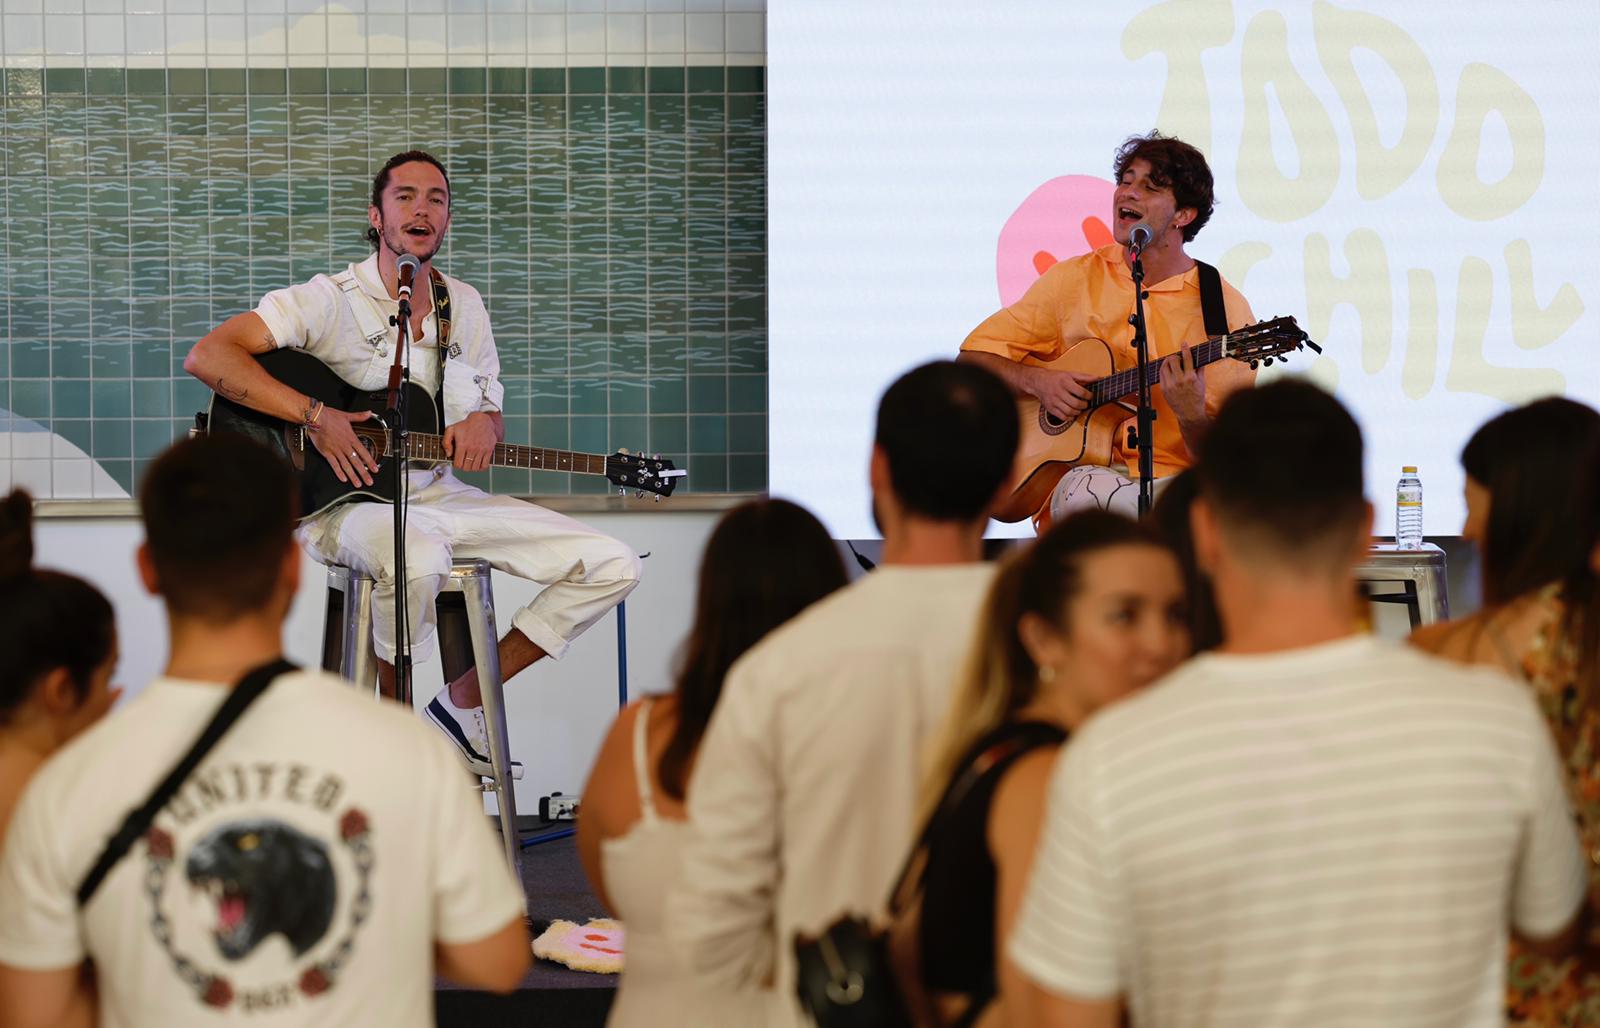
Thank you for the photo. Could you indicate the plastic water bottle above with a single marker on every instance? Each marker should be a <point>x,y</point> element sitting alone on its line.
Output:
<point>1408,510</point>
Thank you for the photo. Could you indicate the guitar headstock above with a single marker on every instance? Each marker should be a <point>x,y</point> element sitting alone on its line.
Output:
<point>1266,341</point>
<point>645,474</point>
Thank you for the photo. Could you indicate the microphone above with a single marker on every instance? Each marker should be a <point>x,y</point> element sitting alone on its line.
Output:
<point>409,266</point>
<point>1139,237</point>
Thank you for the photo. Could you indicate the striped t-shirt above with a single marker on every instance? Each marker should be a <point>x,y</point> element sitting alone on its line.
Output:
<point>1335,835</point>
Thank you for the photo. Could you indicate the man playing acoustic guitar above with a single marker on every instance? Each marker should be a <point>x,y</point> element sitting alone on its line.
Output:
<point>1166,184</point>
<point>343,320</point>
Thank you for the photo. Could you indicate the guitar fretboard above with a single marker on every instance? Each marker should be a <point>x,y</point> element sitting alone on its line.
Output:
<point>1125,383</point>
<point>424,447</point>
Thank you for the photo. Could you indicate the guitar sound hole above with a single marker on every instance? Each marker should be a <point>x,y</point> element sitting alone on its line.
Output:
<point>1049,424</point>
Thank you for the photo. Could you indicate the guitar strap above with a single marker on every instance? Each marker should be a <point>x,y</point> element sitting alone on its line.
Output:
<point>1212,307</point>
<point>441,314</point>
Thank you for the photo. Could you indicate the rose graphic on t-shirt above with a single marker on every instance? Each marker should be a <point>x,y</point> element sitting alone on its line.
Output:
<point>263,877</point>
<point>1063,218</point>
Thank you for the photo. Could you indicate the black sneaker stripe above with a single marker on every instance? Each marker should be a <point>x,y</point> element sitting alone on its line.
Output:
<point>442,718</point>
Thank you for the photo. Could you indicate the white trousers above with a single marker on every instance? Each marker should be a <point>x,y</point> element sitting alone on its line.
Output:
<point>584,573</point>
<point>1091,487</point>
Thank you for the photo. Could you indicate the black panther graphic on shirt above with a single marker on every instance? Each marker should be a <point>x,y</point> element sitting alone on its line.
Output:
<point>266,878</point>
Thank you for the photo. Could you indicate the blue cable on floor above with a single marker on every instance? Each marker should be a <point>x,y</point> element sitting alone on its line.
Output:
<point>563,833</point>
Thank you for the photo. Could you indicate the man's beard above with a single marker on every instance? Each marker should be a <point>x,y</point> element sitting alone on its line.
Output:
<point>395,239</point>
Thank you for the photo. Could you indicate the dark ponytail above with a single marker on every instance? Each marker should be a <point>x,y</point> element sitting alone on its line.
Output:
<point>766,561</point>
<point>48,620</point>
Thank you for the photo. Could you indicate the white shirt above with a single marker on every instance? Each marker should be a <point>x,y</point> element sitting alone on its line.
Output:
<point>316,316</point>
<point>802,797</point>
<point>1328,836</point>
<point>322,820</point>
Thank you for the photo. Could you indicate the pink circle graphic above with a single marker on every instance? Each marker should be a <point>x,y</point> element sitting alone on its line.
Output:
<point>1063,218</point>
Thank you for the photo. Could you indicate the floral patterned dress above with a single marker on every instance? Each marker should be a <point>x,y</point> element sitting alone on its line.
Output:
<point>1544,993</point>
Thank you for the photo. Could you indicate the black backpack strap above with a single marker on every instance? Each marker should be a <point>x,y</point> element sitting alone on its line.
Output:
<point>252,685</point>
<point>1212,306</point>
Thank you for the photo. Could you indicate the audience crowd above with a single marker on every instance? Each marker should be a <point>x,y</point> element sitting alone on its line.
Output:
<point>1130,773</point>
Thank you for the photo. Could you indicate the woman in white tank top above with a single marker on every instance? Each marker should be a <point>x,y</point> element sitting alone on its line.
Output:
<point>765,562</point>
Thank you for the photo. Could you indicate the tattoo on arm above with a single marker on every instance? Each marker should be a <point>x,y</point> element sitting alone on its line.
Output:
<point>265,343</point>
<point>232,392</point>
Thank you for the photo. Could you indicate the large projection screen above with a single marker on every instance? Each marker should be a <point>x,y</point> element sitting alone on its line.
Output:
<point>1416,183</point>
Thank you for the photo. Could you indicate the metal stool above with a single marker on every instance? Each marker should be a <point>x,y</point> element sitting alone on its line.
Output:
<point>1423,573</point>
<point>465,602</point>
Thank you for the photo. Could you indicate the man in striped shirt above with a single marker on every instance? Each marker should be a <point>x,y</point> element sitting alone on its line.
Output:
<point>1309,826</point>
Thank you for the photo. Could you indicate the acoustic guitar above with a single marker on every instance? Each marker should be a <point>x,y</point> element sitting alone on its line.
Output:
<point>1050,447</point>
<point>321,489</point>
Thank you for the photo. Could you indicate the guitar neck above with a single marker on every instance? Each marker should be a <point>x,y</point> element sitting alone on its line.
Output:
<point>1125,383</point>
<point>421,446</point>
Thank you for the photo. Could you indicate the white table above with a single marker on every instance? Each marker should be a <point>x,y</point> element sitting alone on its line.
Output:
<point>1422,571</point>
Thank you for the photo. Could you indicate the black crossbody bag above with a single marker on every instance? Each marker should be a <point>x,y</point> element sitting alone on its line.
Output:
<point>138,821</point>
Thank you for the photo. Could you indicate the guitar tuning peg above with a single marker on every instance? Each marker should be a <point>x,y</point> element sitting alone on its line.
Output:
<point>658,497</point>
<point>1254,365</point>
<point>639,495</point>
<point>1268,362</point>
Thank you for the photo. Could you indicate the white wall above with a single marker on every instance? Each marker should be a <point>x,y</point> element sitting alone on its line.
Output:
<point>558,711</point>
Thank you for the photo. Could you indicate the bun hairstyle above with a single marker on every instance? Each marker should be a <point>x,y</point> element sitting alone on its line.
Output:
<point>16,537</point>
<point>48,619</point>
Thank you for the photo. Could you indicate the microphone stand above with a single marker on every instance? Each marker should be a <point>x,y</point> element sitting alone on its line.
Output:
<point>396,416</point>
<point>1146,418</point>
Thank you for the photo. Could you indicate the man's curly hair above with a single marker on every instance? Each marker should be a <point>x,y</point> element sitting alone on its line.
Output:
<point>1174,165</point>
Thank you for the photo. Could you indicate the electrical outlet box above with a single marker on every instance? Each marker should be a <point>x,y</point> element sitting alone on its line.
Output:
<point>558,807</point>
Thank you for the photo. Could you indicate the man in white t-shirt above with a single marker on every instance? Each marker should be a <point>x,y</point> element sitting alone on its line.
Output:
<point>1308,826</point>
<point>802,797</point>
<point>319,866</point>
<point>342,320</point>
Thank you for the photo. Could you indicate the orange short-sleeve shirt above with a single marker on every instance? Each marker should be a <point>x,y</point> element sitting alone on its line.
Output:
<point>1091,297</point>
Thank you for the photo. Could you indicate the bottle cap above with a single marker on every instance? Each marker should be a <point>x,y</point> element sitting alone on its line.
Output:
<point>1408,470</point>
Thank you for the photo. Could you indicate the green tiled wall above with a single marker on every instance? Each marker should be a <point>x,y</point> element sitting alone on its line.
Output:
<point>613,218</point>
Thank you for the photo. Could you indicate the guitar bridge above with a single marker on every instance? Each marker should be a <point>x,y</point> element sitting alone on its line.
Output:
<point>294,441</point>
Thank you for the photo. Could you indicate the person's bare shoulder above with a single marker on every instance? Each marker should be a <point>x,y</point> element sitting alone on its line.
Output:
<point>1017,810</point>
<point>1462,641</point>
<point>610,799</point>
<point>1433,638</point>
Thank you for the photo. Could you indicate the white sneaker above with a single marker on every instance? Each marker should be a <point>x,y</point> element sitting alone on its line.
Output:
<point>464,727</point>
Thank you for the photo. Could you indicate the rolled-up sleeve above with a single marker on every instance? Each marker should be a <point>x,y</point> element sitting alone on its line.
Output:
<point>301,312</point>
<point>472,368</point>
<point>721,914</point>
<point>1031,327</point>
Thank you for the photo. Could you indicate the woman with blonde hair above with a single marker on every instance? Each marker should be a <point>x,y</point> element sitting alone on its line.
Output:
<point>1090,612</point>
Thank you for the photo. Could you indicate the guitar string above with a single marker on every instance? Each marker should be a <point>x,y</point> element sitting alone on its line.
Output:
<point>1119,384</point>
<point>431,447</point>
